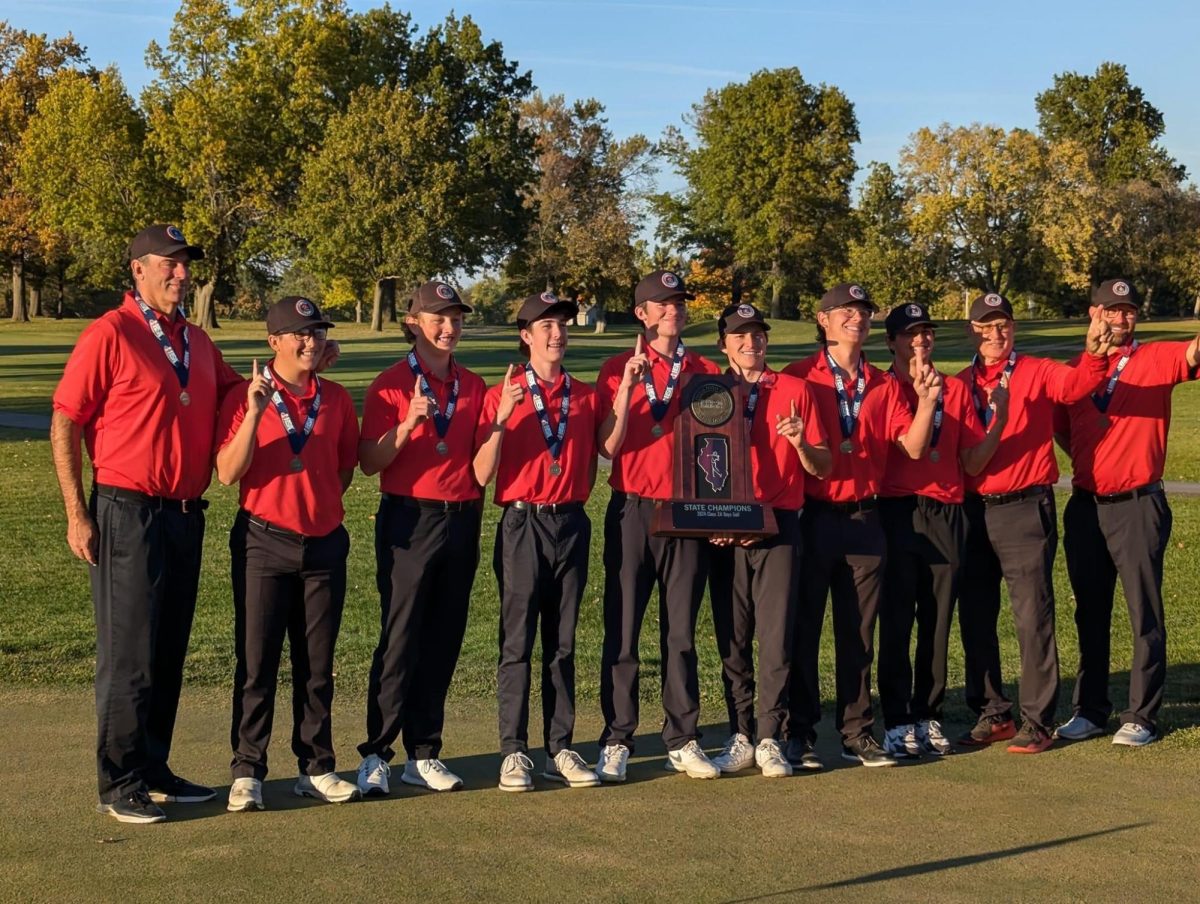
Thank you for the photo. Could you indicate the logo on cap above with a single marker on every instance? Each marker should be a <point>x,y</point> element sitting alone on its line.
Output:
<point>444,291</point>
<point>549,298</point>
<point>174,234</point>
<point>857,293</point>
<point>1120,287</point>
<point>744,310</point>
<point>670,280</point>
<point>992,300</point>
<point>914,310</point>
<point>304,307</point>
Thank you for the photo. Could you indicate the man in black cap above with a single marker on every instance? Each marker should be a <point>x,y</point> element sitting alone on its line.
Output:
<point>537,440</point>
<point>142,389</point>
<point>1117,521</point>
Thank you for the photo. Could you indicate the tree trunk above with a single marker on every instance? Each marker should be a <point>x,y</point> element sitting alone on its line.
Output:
<point>377,307</point>
<point>385,300</point>
<point>1146,304</point>
<point>739,282</point>
<point>776,294</point>
<point>1196,307</point>
<point>35,299</point>
<point>389,299</point>
<point>601,315</point>
<point>205,315</point>
<point>358,309</point>
<point>62,291</point>
<point>19,311</point>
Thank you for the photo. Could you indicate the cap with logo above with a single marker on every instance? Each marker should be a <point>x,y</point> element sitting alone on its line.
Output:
<point>294,313</point>
<point>846,293</point>
<point>162,240</point>
<point>544,304</point>
<point>434,297</point>
<point>1113,292</point>
<point>988,304</point>
<point>661,285</point>
<point>905,316</point>
<point>738,318</point>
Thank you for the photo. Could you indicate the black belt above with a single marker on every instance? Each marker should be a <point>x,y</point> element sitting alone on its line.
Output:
<point>1137,493</point>
<point>1040,489</point>
<point>268,526</point>
<point>121,494</point>
<point>442,505</point>
<point>855,505</point>
<point>622,496</point>
<point>547,508</point>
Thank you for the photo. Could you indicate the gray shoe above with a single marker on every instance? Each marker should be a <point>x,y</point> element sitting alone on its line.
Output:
<point>516,773</point>
<point>800,753</point>
<point>329,787</point>
<point>568,767</point>
<point>245,794</point>
<point>1133,735</point>
<point>1078,728</point>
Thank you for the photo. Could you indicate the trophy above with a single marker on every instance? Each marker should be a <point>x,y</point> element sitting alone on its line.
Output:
<point>711,490</point>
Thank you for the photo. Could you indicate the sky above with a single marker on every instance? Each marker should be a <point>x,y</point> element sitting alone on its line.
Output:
<point>904,65</point>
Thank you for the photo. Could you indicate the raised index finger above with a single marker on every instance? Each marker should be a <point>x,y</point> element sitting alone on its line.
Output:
<point>793,407</point>
<point>637,347</point>
<point>508,374</point>
<point>254,367</point>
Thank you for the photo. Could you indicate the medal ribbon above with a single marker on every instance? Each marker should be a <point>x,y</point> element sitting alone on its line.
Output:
<point>981,407</point>
<point>751,402</point>
<point>180,367</point>
<point>939,412</point>
<point>658,409</point>
<point>295,439</point>
<point>441,422</point>
<point>554,442</point>
<point>1102,401</point>
<point>847,414</point>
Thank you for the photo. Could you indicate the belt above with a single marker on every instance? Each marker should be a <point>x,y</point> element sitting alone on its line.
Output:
<point>1137,493</point>
<point>268,526</point>
<point>441,505</point>
<point>622,496</point>
<point>855,505</point>
<point>187,506</point>
<point>547,508</point>
<point>1004,498</point>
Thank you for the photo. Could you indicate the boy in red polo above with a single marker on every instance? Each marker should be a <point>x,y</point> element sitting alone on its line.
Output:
<point>291,442</point>
<point>537,440</point>
<point>418,434</point>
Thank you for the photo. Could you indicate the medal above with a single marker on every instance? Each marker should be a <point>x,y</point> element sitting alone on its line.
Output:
<point>555,469</point>
<point>185,399</point>
<point>657,430</point>
<point>848,415</point>
<point>847,446</point>
<point>297,464</point>
<point>181,368</point>
<point>296,438</point>
<point>934,456</point>
<point>554,438</point>
<point>441,420</point>
<point>659,407</point>
<point>442,448</point>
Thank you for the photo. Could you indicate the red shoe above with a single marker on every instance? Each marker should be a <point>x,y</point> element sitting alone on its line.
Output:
<point>1031,739</point>
<point>989,730</point>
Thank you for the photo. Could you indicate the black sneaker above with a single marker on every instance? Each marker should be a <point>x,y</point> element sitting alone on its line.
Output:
<point>175,790</point>
<point>135,807</point>
<point>866,750</point>
<point>800,753</point>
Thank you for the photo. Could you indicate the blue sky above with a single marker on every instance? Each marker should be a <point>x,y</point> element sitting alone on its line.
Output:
<point>904,65</point>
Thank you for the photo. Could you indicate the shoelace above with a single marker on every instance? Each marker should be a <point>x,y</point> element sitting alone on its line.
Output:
<point>771,750</point>
<point>617,752</point>
<point>736,748</point>
<point>381,770</point>
<point>435,766</point>
<point>572,758</point>
<point>513,760</point>
<point>934,731</point>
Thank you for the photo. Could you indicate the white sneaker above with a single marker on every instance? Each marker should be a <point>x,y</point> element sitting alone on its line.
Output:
<point>611,765</point>
<point>516,773</point>
<point>373,775</point>
<point>932,739</point>
<point>329,787</point>
<point>1133,735</point>
<point>1078,728</point>
<point>901,741</point>
<point>569,768</point>
<point>431,774</point>
<point>690,758</point>
<point>245,794</point>
<point>737,755</point>
<point>768,756</point>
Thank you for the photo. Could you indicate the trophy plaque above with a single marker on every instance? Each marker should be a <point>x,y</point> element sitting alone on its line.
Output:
<point>712,492</point>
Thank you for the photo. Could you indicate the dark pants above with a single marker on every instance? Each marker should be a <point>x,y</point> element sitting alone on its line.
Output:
<point>1103,541</point>
<point>844,558</point>
<point>541,563</point>
<point>425,560</point>
<point>925,541</point>
<point>634,563</point>
<point>753,591</point>
<point>293,586</point>
<point>144,593</point>
<point>1014,541</point>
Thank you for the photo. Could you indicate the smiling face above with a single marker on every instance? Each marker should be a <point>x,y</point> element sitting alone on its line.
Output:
<point>547,339</point>
<point>1121,319</point>
<point>162,281</point>
<point>993,337</point>
<point>436,333</point>
<point>663,318</point>
<point>746,349</point>
<point>847,324</point>
<point>299,351</point>
<point>905,345</point>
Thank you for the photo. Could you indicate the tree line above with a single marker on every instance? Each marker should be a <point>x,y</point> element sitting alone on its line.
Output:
<point>348,156</point>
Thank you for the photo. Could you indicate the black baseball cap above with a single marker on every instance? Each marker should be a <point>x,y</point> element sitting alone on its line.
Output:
<point>163,240</point>
<point>546,304</point>
<point>294,313</point>
<point>846,293</point>
<point>1113,292</point>
<point>905,316</point>
<point>434,297</point>
<point>661,285</point>
<point>737,318</point>
<point>988,304</point>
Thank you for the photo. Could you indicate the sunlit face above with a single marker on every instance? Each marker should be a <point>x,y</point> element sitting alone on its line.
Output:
<point>440,331</point>
<point>905,345</point>
<point>993,337</point>
<point>162,281</point>
<point>847,324</point>
<point>666,318</point>
<point>1121,319</point>
<point>547,339</point>
<point>302,349</point>
<point>747,349</point>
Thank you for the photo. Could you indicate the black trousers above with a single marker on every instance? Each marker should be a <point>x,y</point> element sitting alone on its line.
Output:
<point>844,558</point>
<point>144,595</point>
<point>293,586</point>
<point>925,539</point>
<point>634,563</point>
<point>541,563</point>
<point>1014,541</point>
<point>754,591</point>
<point>425,561</point>
<point>1104,541</point>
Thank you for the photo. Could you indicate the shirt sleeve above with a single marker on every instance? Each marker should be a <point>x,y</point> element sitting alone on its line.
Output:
<point>971,432</point>
<point>229,418</point>
<point>606,385</point>
<point>1065,383</point>
<point>487,415</point>
<point>348,436</point>
<point>88,375</point>
<point>899,418</point>
<point>814,429</point>
<point>384,407</point>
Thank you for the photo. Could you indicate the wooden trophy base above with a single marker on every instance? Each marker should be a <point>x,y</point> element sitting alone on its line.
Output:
<point>706,518</point>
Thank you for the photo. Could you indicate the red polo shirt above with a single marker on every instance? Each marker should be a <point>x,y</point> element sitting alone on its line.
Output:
<point>882,420</point>
<point>645,463</point>
<point>942,479</point>
<point>1129,449</point>
<point>524,472</point>
<point>1025,455</point>
<point>309,501</point>
<point>419,470</point>
<point>779,478</point>
<point>120,388</point>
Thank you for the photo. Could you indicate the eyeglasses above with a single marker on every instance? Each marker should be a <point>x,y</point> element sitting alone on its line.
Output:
<point>992,328</point>
<point>313,332</point>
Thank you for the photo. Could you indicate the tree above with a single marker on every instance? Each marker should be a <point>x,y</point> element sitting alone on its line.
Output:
<point>771,173</point>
